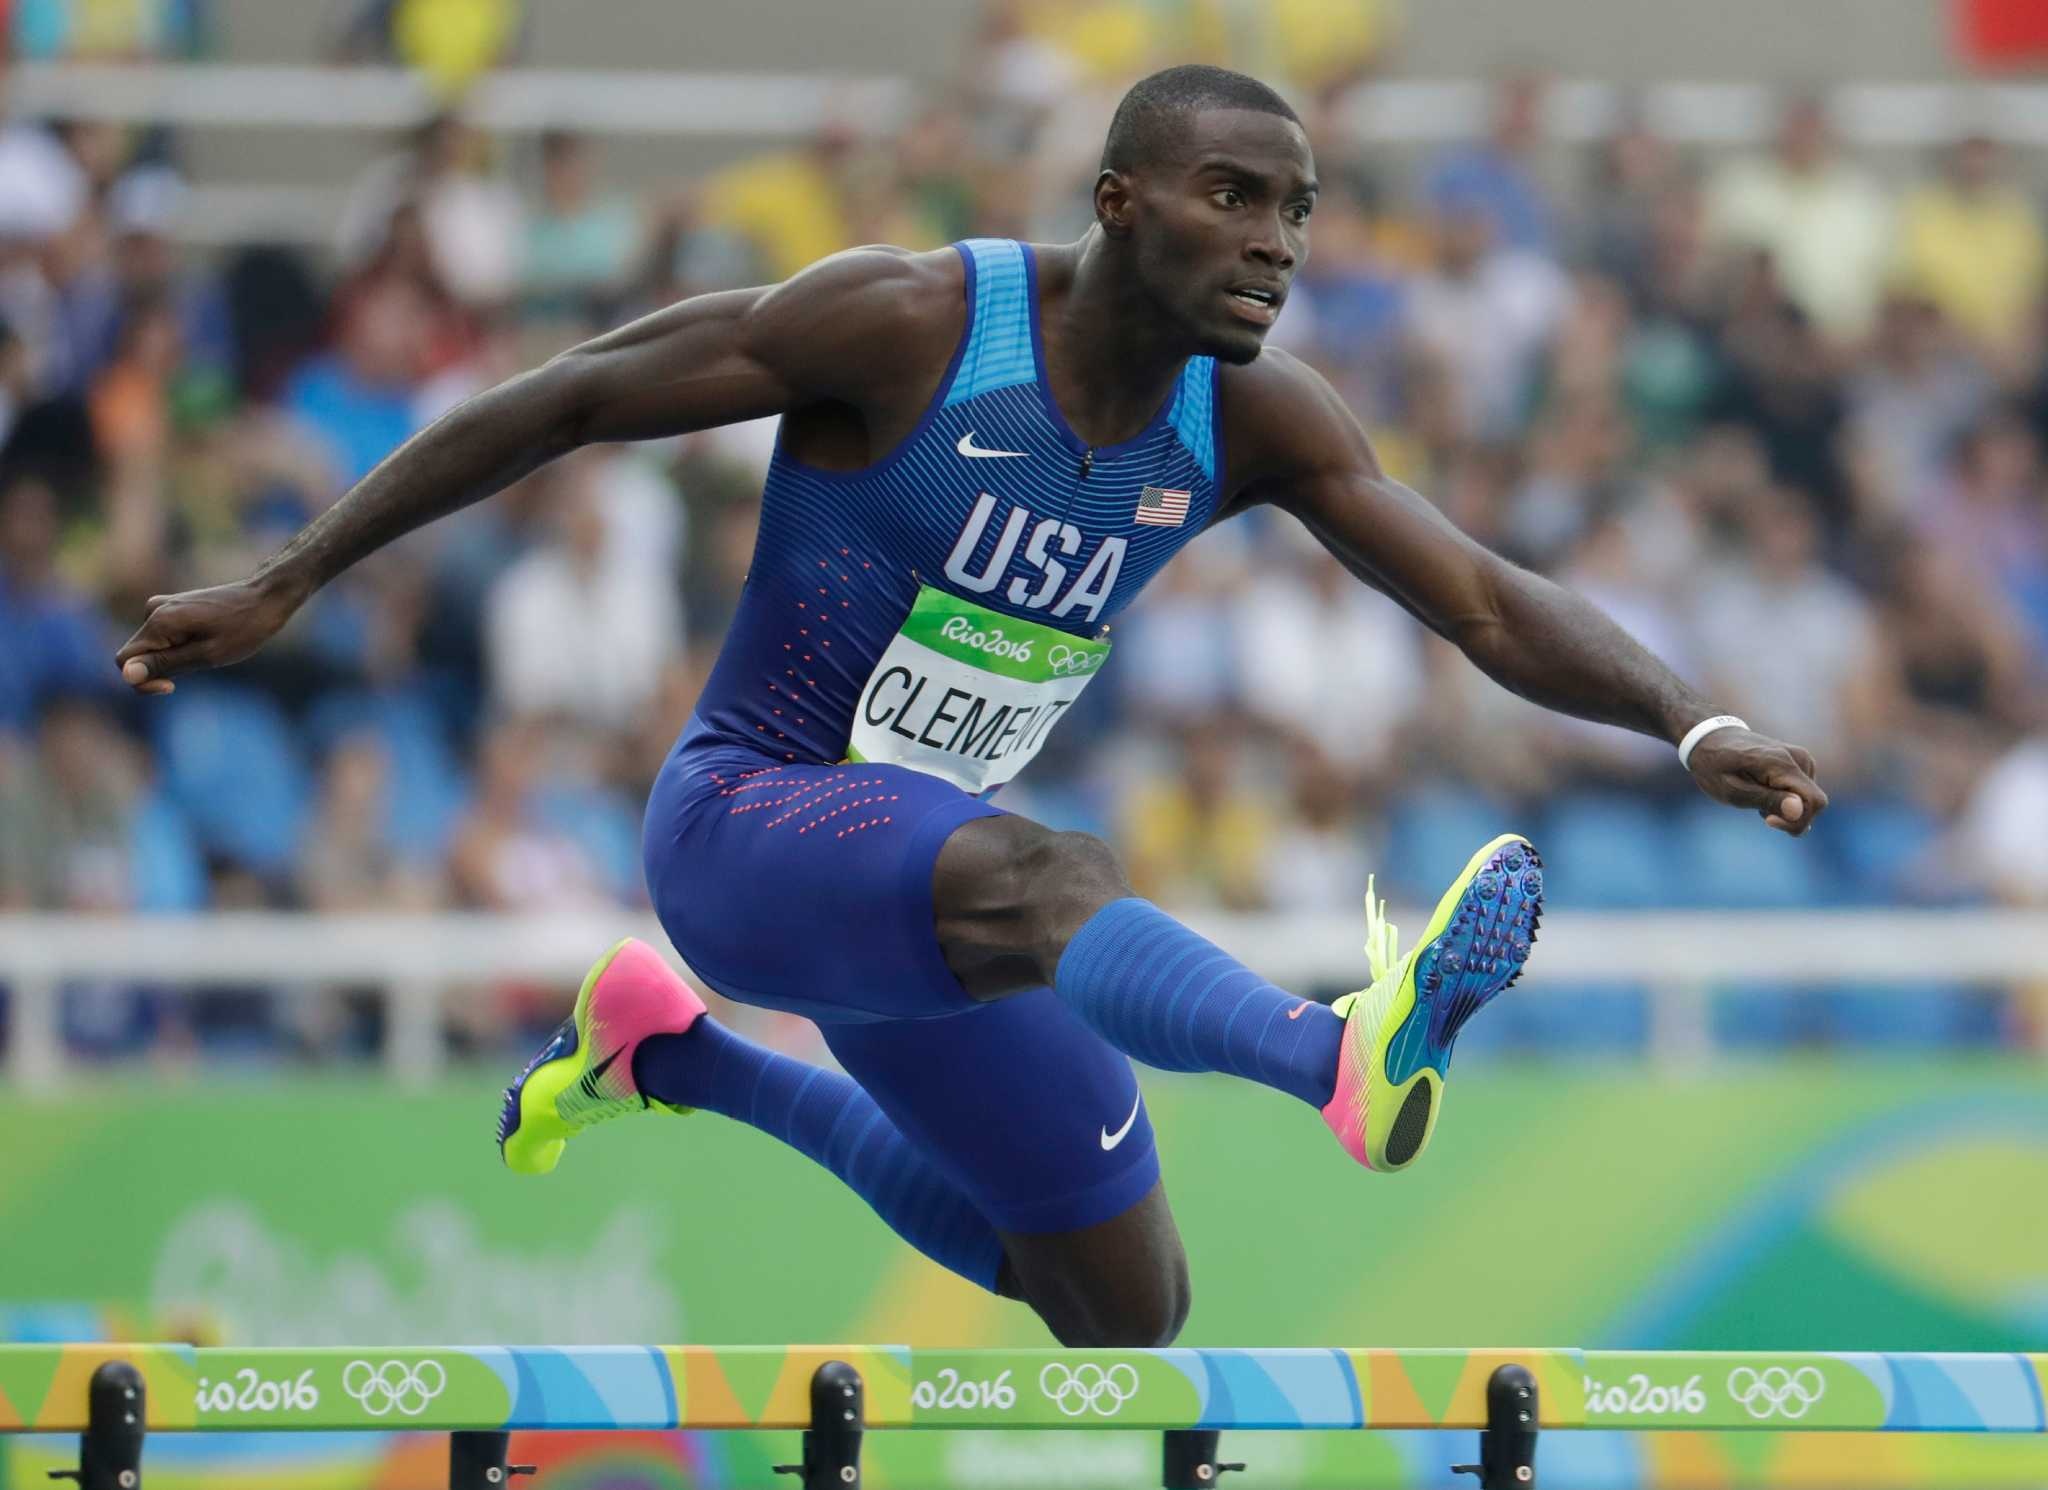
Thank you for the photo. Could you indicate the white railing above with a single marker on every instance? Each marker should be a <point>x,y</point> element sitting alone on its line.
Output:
<point>792,105</point>
<point>415,960</point>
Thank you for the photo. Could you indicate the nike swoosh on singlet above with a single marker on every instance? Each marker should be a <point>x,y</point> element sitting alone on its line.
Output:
<point>1111,1140</point>
<point>972,451</point>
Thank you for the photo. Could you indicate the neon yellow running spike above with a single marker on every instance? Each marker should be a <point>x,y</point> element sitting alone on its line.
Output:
<point>1398,1032</point>
<point>583,1076</point>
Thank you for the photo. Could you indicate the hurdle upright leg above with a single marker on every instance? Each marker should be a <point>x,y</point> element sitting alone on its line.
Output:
<point>1188,1459</point>
<point>1507,1444</point>
<point>832,1442</point>
<point>476,1461</point>
<point>110,1449</point>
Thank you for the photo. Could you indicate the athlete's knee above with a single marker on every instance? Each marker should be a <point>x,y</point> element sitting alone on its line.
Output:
<point>1070,876</point>
<point>1141,1311</point>
<point>1008,888</point>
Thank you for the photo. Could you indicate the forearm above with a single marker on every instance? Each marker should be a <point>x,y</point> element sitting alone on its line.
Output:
<point>474,450</point>
<point>1558,649</point>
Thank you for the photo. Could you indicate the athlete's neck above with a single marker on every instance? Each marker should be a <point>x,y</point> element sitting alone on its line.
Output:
<point>1110,357</point>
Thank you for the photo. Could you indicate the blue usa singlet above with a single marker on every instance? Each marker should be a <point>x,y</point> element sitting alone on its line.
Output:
<point>997,509</point>
<point>908,635</point>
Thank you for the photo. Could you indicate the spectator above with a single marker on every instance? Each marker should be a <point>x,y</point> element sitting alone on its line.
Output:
<point>143,208</point>
<point>358,399</point>
<point>1318,859</point>
<point>1971,241</point>
<point>1497,176</point>
<point>349,863</point>
<point>506,857</point>
<point>1992,512</point>
<point>2003,825</point>
<point>1322,660</point>
<point>1778,382</point>
<point>578,627</point>
<point>16,380</point>
<point>581,245</point>
<point>78,829</point>
<point>78,30</point>
<point>469,220</point>
<point>1912,399</point>
<point>789,205</point>
<point>57,642</point>
<point>1198,836</point>
<point>1483,315</point>
<point>1824,223</point>
<point>1787,645</point>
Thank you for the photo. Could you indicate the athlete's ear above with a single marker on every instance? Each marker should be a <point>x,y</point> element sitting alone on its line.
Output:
<point>1114,203</point>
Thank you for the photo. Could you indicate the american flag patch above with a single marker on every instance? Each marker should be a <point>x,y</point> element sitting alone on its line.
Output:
<point>1161,508</point>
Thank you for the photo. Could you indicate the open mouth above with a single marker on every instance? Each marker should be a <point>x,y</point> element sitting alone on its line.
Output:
<point>1259,306</point>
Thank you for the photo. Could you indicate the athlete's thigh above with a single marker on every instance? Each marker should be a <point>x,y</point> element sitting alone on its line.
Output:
<point>806,887</point>
<point>1028,1110</point>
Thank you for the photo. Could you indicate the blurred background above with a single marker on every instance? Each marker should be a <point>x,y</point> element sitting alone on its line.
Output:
<point>1731,317</point>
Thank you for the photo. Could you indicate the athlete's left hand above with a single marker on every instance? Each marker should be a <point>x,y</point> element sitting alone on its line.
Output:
<point>1746,769</point>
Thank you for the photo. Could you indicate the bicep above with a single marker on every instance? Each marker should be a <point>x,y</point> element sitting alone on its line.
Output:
<point>686,367</point>
<point>733,356</point>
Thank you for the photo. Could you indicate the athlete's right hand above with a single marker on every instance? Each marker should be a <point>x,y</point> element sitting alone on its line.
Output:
<point>202,628</point>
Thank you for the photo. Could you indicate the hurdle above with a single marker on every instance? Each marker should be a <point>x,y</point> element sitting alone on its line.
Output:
<point>113,1396</point>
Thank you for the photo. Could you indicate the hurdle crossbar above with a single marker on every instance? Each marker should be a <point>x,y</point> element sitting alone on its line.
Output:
<point>45,1388</point>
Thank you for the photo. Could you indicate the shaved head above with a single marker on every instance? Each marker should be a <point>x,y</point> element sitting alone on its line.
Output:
<point>1151,122</point>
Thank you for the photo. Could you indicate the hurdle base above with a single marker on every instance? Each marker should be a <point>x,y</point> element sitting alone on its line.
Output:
<point>1188,1459</point>
<point>110,1449</point>
<point>1507,1444</point>
<point>476,1461</point>
<point>832,1442</point>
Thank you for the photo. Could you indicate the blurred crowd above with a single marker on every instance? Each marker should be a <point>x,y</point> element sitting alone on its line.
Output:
<point>1780,414</point>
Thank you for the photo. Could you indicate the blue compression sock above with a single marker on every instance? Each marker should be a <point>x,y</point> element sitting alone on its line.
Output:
<point>831,1121</point>
<point>1167,997</point>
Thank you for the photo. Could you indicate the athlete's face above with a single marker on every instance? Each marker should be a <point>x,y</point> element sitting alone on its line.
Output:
<point>1221,226</point>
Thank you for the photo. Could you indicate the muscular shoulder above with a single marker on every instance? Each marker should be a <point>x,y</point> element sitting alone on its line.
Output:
<point>1282,421</point>
<point>863,318</point>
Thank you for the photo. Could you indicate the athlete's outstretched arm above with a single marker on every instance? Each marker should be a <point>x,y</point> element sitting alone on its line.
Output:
<point>711,360</point>
<point>1308,455</point>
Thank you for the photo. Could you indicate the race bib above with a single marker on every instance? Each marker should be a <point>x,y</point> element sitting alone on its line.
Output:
<point>967,694</point>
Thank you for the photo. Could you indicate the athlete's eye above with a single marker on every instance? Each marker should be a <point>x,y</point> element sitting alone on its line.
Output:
<point>1229,196</point>
<point>1299,212</point>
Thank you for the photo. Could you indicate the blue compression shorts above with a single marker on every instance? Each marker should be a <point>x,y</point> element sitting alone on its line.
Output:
<point>808,888</point>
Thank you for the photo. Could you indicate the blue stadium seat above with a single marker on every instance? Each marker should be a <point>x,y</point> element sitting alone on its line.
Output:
<point>1592,1020</point>
<point>1430,836</point>
<point>427,787</point>
<point>232,766</point>
<point>1880,846</point>
<point>1728,859</point>
<point>1606,851</point>
<point>605,827</point>
<point>166,870</point>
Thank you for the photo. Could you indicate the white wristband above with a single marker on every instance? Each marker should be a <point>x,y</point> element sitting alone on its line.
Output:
<point>1701,730</point>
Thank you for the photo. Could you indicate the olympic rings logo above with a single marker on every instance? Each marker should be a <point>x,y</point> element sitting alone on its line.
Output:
<point>1088,1388</point>
<point>1066,661</point>
<point>1776,1390</point>
<point>394,1386</point>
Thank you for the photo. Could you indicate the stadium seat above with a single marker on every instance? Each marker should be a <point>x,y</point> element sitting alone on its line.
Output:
<point>605,827</point>
<point>166,870</point>
<point>1430,836</point>
<point>1879,846</point>
<point>1726,859</point>
<point>232,766</point>
<point>427,786</point>
<point>1606,851</point>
